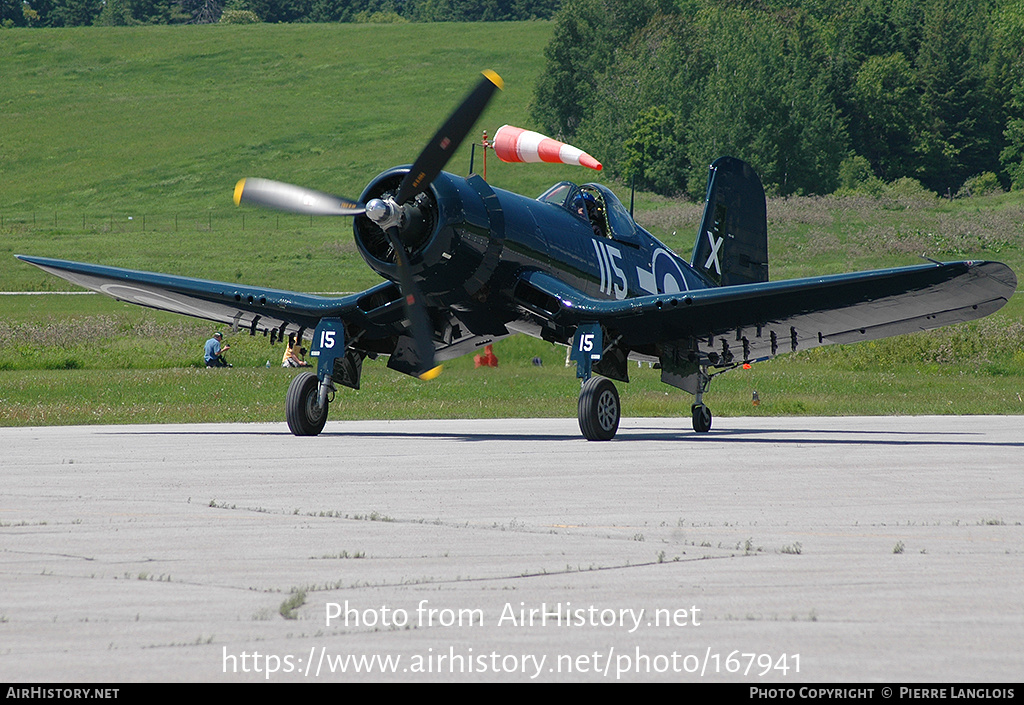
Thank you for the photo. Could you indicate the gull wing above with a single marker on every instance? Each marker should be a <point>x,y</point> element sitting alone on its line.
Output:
<point>751,322</point>
<point>377,312</point>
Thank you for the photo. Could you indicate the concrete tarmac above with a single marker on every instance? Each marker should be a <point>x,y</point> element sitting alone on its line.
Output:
<point>774,551</point>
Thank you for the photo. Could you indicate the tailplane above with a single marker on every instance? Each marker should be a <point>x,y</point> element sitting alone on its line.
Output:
<point>732,244</point>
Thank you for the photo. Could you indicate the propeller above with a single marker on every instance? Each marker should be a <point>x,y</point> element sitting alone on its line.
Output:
<point>387,213</point>
<point>293,199</point>
<point>415,311</point>
<point>441,147</point>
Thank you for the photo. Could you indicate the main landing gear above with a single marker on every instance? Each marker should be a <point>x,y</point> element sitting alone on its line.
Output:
<point>599,410</point>
<point>305,407</point>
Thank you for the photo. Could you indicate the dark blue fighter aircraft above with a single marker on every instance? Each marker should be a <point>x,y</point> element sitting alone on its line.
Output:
<point>466,264</point>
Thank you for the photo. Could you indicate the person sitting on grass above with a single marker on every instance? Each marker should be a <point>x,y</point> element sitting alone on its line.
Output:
<point>213,353</point>
<point>293,354</point>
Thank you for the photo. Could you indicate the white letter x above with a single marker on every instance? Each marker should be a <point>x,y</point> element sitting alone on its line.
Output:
<point>713,257</point>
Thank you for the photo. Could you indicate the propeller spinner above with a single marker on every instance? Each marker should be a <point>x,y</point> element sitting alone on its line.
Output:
<point>387,213</point>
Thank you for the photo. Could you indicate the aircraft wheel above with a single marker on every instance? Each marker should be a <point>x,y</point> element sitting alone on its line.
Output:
<point>305,416</point>
<point>701,418</point>
<point>599,409</point>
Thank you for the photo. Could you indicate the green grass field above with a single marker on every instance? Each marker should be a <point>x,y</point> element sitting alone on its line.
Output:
<point>122,146</point>
<point>165,120</point>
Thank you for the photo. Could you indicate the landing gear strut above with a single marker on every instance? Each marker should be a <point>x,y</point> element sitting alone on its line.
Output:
<point>701,414</point>
<point>599,409</point>
<point>305,407</point>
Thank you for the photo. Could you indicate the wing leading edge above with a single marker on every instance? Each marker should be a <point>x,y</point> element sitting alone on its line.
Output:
<point>754,321</point>
<point>377,311</point>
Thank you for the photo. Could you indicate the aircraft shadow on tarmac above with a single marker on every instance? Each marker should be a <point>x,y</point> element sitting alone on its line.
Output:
<point>848,437</point>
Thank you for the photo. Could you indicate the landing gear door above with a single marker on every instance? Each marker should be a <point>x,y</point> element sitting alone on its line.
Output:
<point>328,345</point>
<point>587,347</point>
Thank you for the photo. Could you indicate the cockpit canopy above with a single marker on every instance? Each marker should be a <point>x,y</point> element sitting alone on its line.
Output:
<point>596,204</point>
<point>564,194</point>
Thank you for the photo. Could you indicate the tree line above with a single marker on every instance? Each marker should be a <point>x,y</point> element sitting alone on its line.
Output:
<point>817,94</point>
<point>76,13</point>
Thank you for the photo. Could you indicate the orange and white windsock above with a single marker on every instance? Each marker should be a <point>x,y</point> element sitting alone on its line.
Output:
<point>514,144</point>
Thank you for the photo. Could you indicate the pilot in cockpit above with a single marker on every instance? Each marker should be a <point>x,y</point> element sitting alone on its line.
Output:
<point>591,210</point>
<point>588,208</point>
<point>583,203</point>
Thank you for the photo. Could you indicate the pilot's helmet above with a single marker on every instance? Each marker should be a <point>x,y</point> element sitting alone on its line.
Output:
<point>584,202</point>
<point>591,203</point>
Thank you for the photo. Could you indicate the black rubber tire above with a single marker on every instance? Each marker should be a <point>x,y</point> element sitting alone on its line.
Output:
<point>701,418</point>
<point>305,417</point>
<point>599,409</point>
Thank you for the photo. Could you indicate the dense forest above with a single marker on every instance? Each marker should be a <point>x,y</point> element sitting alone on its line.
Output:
<point>818,95</point>
<point>73,13</point>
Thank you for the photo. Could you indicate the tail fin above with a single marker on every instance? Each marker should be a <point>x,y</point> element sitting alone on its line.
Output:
<point>732,244</point>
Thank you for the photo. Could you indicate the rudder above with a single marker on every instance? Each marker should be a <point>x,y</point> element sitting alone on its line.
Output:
<point>732,243</point>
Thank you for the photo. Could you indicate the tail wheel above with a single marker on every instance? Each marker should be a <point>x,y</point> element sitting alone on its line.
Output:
<point>302,409</point>
<point>701,418</point>
<point>599,409</point>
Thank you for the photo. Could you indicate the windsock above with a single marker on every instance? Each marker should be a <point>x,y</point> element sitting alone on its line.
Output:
<point>514,144</point>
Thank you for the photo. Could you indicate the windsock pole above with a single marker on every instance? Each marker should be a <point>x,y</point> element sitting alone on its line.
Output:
<point>472,154</point>
<point>486,145</point>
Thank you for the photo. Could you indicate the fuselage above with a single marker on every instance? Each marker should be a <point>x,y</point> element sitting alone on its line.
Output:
<point>469,242</point>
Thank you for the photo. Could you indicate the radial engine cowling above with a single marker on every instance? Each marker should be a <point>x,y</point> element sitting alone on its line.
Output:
<point>453,233</point>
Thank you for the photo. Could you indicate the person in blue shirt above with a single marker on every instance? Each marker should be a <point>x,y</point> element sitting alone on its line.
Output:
<point>213,352</point>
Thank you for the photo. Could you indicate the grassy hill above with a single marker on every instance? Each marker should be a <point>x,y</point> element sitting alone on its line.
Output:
<point>122,146</point>
<point>164,120</point>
